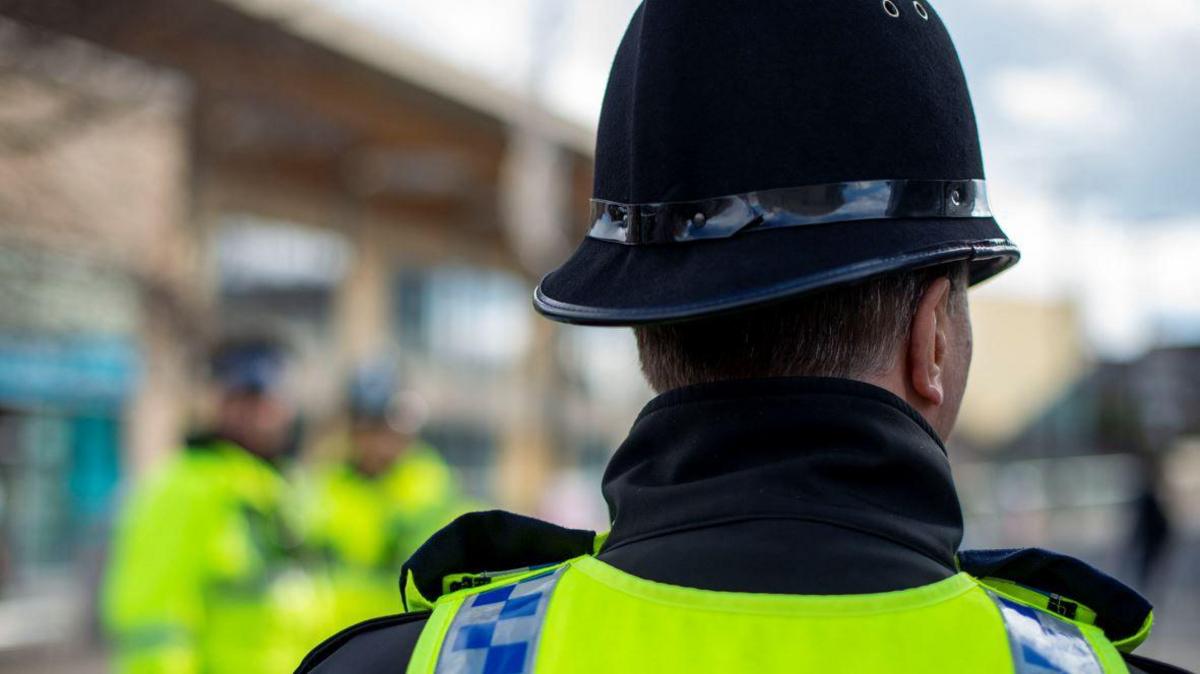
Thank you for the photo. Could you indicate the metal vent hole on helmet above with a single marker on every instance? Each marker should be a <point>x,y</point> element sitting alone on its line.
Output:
<point>891,9</point>
<point>921,11</point>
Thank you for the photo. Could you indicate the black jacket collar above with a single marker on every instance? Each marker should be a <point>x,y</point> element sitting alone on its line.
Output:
<point>843,455</point>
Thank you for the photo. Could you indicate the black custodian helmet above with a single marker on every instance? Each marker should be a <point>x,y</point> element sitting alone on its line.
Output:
<point>753,150</point>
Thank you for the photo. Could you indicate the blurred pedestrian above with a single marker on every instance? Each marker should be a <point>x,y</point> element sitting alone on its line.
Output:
<point>203,577</point>
<point>369,511</point>
<point>1151,532</point>
<point>789,208</point>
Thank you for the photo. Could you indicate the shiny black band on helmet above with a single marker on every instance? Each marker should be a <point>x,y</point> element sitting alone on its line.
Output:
<point>723,217</point>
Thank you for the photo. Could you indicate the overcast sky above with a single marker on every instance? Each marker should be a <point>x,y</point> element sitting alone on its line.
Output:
<point>1089,111</point>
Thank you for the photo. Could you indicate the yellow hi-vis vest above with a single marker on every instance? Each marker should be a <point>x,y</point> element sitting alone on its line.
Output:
<point>585,616</point>
<point>201,580</point>
<point>367,527</point>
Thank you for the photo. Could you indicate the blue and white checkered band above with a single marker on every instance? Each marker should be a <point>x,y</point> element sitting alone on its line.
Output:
<point>496,632</point>
<point>1044,644</point>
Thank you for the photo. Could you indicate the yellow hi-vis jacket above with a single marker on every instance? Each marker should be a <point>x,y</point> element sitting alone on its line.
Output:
<point>202,578</point>
<point>586,616</point>
<point>366,527</point>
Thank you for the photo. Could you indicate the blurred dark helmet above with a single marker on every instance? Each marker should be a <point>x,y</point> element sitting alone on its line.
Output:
<point>751,152</point>
<point>250,365</point>
<point>375,398</point>
<point>370,394</point>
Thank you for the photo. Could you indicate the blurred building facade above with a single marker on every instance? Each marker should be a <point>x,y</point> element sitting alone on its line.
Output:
<point>1054,451</point>
<point>175,169</point>
<point>1098,459</point>
<point>92,153</point>
<point>1051,443</point>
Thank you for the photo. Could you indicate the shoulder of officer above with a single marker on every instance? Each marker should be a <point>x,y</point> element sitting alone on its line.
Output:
<point>1073,589</point>
<point>479,547</point>
<point>476,549</point>
<point>375,646</point>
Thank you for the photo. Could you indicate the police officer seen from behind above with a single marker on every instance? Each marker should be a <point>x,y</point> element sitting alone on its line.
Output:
<point>789,209</point>
<point>203,577</point>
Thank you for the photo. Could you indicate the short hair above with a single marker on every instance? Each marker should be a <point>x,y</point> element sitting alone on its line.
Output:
<point>846,331</point>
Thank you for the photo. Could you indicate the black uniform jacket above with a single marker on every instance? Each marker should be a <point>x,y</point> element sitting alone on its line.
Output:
<point>786,486</point>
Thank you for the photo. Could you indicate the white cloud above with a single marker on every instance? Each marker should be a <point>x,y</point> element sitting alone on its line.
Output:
<point>1132,281</point>
<point>1059,100</point>
<point>1139,278</point>
<point>1133,26</point>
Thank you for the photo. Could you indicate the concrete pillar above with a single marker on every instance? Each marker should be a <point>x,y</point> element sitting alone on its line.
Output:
<point>362,304</point>
<point>528,453</point>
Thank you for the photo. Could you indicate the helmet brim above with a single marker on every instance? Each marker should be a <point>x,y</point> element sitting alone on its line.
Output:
<point>608,283</point>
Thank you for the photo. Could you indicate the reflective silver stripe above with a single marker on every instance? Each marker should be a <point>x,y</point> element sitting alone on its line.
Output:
<point>497,631</point>
<point>1044,644</point>
<point>722,217</point>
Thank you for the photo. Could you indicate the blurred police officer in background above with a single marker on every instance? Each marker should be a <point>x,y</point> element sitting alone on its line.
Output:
<point>368,512</point>
<point>203,577</point>
<point>789,208</point>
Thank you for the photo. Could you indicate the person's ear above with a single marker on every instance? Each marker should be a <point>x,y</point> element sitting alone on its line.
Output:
<point>928,340</point>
